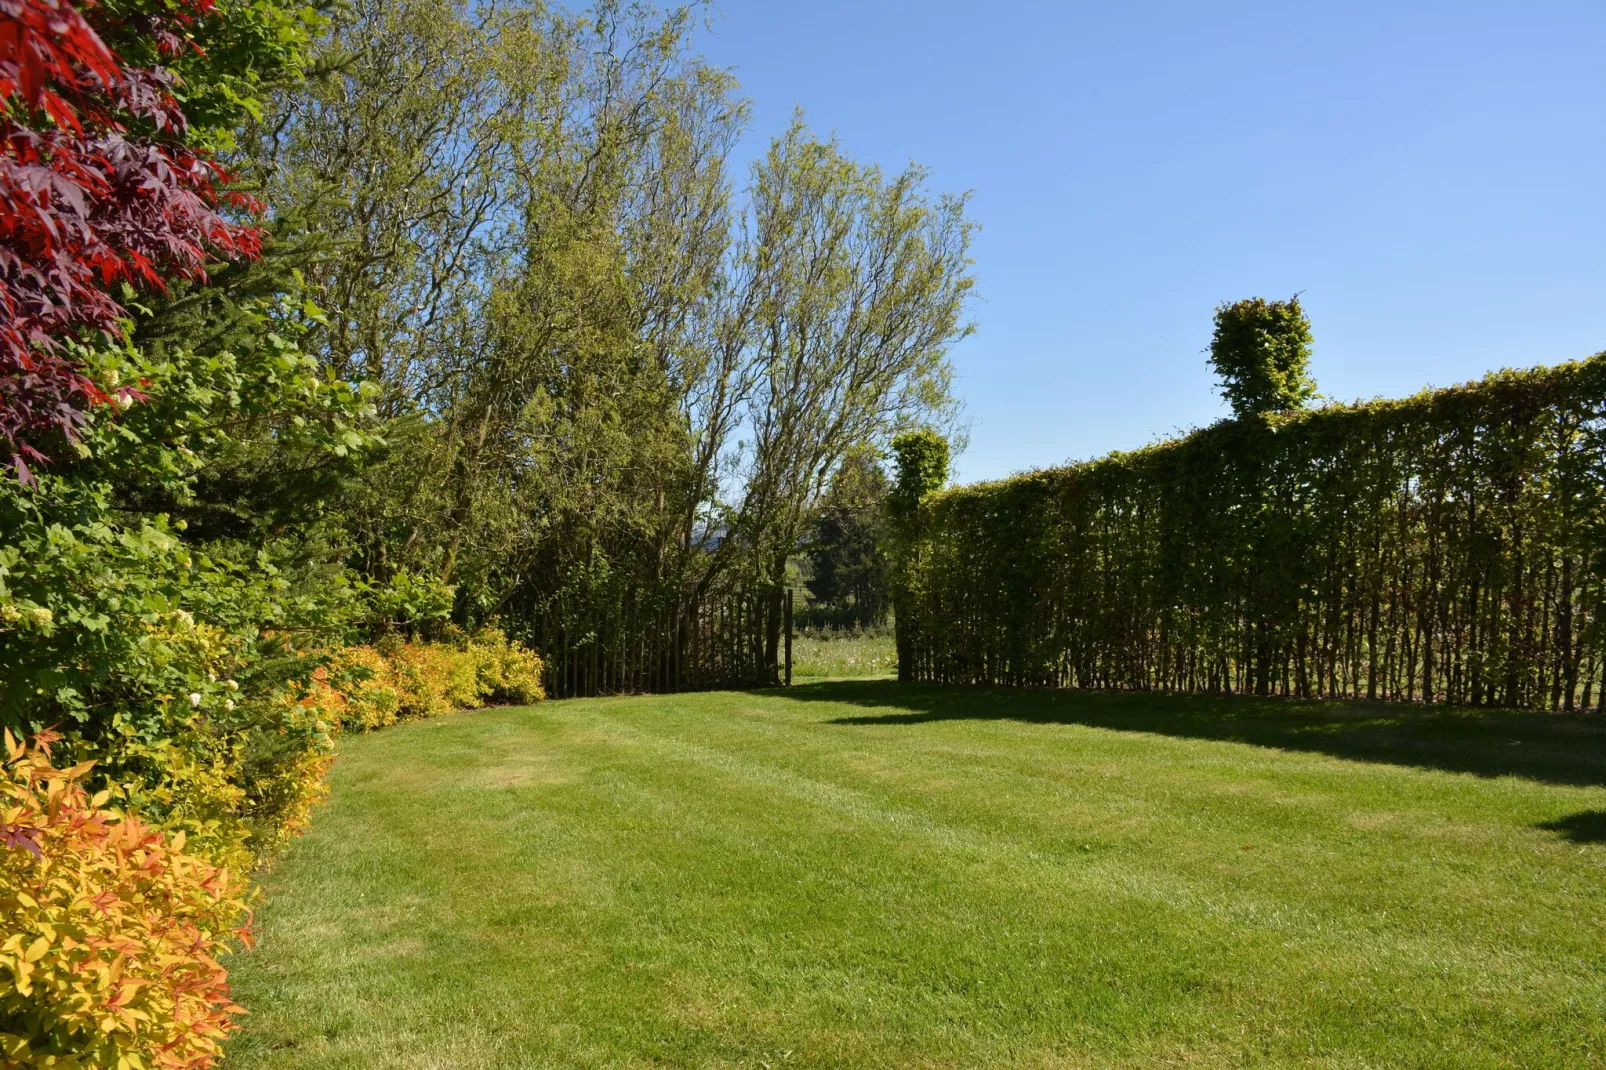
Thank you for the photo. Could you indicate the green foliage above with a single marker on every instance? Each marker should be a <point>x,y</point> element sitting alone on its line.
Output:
<point>166,590</point>
<point>847,562</point>
<point>922,461</point>
<point>588,348</point>
<point>528,209</point>
<point>162,648</point>
<point>1261,352</point>
<point>232,57</point>
<point>1447,547</point>
<point>160,591</point>
<point>858,283</point>
<point>921,458</point>
<point>410,604</point>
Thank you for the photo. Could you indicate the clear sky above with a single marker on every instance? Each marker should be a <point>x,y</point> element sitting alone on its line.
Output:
<point>1431,176</point>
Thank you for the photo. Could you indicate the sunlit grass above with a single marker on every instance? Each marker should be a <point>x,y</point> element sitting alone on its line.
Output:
<point>870,875</point>
<point>843,654</point>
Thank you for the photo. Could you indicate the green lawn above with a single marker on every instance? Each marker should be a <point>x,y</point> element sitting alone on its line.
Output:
<point>860,874</point>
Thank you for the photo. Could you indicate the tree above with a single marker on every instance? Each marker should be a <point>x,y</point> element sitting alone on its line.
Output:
<point>587,354</point>
<point>1261,353</point>
<point>532,216</point>
<point>859,285</point>
<point>921,460</point>
<point>847,552</point>
<point>108,180</point>
<point>921,457</point>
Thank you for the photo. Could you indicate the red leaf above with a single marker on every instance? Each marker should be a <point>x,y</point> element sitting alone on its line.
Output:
<point>22,836</point>
<point>86,207</point>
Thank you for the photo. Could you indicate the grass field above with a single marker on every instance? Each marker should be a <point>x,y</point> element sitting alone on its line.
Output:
<point>866,875</point>
<point>840,654</point>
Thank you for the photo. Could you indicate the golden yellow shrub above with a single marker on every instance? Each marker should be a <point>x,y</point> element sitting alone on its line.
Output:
<point>363,687</point>
<point>508,671</point>
<point>366,687</point>
<point>423,676</point>
<point>463,688</point>
<point>111,931</point>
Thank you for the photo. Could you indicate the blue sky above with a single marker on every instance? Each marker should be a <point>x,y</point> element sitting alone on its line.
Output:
<point>1431,176</point>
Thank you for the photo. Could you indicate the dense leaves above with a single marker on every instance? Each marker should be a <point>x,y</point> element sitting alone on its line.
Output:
<point>594,351</point>
<point>102,188</point>
<point>167,583</point>
<point>1261,352</point>
<point>363,688</point>
<point>1447,547</point>
<point>921,459</point>
<point>159,650</point>
<point>846,553</point>
<point>109,953</point>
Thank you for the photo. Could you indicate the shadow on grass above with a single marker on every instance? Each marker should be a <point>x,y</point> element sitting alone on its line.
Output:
<point>1554,748</point>
<point>1586,826</point>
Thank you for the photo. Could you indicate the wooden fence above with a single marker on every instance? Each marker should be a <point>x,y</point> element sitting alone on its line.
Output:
<point>725,639</point>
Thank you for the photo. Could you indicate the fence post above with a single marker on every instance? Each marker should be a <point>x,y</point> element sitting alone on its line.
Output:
<point>787,625</point>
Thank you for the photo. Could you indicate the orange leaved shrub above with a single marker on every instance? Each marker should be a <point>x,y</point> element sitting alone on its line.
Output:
<point>109,931</point>
<point>363,688</point>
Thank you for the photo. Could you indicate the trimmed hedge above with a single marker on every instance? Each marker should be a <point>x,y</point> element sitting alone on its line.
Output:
<point>1446,547</point>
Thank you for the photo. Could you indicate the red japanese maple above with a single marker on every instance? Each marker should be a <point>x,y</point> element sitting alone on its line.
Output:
<point>97,189</point>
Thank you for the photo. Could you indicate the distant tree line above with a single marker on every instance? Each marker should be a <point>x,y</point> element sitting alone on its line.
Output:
<point>847,548</point>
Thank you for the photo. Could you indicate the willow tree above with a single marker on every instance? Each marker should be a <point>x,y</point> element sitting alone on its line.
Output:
<point>587,417</point>
<point>859,283</point>
<point>587,350</point>
<point>523,211</point>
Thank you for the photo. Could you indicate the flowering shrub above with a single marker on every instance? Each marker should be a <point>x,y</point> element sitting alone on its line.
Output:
<point>108,954</point>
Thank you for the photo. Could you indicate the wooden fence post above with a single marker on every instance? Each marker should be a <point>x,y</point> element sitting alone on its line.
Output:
<point>787,625</point>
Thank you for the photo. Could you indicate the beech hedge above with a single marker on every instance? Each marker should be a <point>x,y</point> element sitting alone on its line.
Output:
<point>1447,547</point>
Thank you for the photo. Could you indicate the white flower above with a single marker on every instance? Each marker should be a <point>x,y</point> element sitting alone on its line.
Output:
<point>231,685</point>
<point>195,698</point>
<point>228,704</point>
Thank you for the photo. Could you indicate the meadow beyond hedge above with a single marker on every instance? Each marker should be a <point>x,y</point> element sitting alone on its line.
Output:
<point>1446,547</point>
